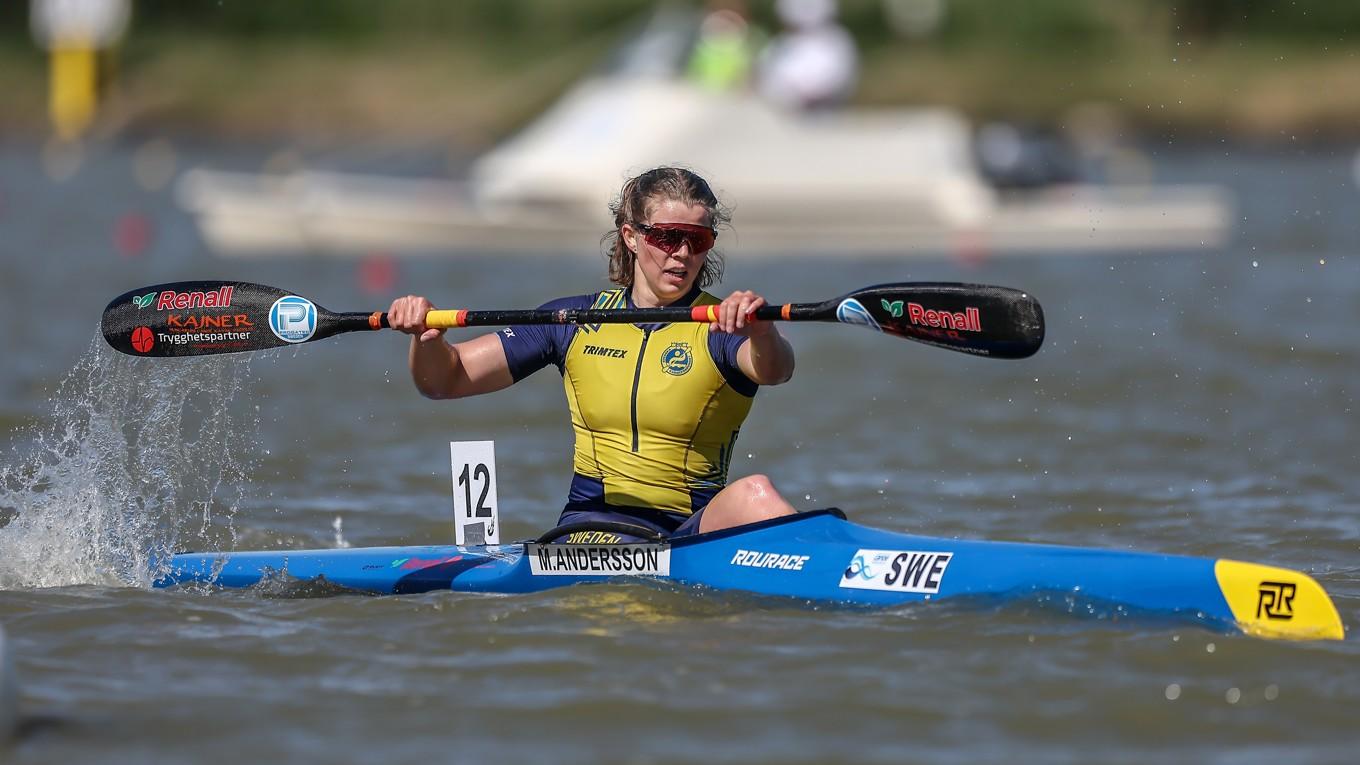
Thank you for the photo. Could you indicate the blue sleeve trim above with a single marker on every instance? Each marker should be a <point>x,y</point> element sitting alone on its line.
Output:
<point>529,348</point>
<point>723,348</point>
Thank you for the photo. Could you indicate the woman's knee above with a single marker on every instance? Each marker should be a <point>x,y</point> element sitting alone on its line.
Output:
<point>746,500</point>
<point>754,487</point>
<point>756,497</point>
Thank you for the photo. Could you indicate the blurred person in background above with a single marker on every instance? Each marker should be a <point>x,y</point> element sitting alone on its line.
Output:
<point>726,49</point>
<point>656,408</point>
<point>813,63</point>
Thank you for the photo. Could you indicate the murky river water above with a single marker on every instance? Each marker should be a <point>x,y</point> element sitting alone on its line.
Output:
<point>1197,403</point>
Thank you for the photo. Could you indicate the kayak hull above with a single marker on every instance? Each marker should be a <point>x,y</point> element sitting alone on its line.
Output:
<point>820,557</point>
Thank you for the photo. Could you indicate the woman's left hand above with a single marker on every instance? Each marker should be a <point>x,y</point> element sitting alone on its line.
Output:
<point>733,313</point>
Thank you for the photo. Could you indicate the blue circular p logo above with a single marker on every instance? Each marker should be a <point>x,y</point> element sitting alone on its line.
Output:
<point>292,319</point>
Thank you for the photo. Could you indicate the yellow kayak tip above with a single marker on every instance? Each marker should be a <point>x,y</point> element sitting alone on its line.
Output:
<point>1278,603</point>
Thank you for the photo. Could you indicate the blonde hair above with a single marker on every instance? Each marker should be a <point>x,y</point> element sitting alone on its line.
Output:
<point>636,202</point>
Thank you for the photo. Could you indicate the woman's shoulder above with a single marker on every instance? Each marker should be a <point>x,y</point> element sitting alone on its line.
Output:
<point>613,298</point>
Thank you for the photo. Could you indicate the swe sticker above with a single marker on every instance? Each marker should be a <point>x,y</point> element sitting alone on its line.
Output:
<point>897,571</point>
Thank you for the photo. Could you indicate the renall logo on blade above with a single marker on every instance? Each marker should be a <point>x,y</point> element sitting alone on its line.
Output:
<point>171,300</point>
<point>969,320</point>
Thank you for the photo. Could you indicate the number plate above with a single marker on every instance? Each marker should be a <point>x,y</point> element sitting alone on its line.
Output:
<point>476,518</point>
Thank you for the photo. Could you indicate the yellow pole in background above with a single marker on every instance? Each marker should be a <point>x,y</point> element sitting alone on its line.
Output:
<point>74,31</point>
<point>73,90</point>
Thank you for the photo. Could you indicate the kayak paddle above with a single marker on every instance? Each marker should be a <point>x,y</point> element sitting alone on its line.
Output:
<point>203,318</point>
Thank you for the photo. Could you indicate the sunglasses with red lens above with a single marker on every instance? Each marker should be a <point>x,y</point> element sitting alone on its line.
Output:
<point>670,237</point>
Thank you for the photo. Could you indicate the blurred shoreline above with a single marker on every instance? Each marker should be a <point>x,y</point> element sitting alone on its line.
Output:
<point>466,76</point>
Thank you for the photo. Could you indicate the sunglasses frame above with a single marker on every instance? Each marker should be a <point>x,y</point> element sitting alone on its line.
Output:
<point>690,232</point>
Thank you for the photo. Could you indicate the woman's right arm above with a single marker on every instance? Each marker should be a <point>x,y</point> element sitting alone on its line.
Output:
<point>441,370</point>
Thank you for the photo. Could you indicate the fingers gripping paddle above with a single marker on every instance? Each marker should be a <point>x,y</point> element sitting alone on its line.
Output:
<point>213,317</point>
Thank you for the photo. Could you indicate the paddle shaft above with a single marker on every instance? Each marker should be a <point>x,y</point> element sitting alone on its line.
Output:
<point>451,319</point>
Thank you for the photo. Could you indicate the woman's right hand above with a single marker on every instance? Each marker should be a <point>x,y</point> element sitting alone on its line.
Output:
<point>407,314</point>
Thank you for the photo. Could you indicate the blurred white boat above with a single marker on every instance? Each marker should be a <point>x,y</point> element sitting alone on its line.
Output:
<point>892,182</point>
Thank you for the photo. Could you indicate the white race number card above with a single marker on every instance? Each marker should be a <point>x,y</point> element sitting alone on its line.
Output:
<point>476,520</point>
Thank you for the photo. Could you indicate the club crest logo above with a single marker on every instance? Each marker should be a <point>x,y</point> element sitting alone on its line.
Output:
<point>677,359</point>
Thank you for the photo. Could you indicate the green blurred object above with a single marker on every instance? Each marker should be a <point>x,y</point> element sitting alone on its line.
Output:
<point>725,50</point>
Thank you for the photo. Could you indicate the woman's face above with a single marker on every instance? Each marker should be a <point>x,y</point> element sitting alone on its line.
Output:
<point>659,277</point>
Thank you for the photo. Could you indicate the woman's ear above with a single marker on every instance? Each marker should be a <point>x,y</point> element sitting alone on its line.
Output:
<point>629,236</point>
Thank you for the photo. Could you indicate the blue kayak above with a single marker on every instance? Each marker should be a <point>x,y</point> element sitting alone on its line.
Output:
<point>821,557</point>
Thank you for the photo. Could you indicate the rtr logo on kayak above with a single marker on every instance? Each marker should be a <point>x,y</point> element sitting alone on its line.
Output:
<point>293,319</point>
<point>897,571</point>
<point>1275,600</point>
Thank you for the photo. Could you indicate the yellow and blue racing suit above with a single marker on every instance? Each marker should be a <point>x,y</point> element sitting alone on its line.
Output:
<point>656,410</point>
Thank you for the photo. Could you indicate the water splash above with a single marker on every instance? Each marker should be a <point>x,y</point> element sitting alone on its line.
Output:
<point>339,526</point>
<point>139,458</point>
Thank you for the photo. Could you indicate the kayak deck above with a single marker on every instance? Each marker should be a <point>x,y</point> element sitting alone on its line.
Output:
<point>819,556</point>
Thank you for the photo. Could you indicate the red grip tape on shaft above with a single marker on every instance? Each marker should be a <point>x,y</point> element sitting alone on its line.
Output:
<point>709,313</point>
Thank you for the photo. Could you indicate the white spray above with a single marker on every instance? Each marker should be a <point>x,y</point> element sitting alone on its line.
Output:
<point>139,457</point>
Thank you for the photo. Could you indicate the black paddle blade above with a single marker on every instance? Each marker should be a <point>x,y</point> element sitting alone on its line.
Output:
<point>980,319</point>
<point>212,317</point>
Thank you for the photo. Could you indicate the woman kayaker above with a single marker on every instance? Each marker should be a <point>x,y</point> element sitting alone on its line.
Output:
<point>656,408</point>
